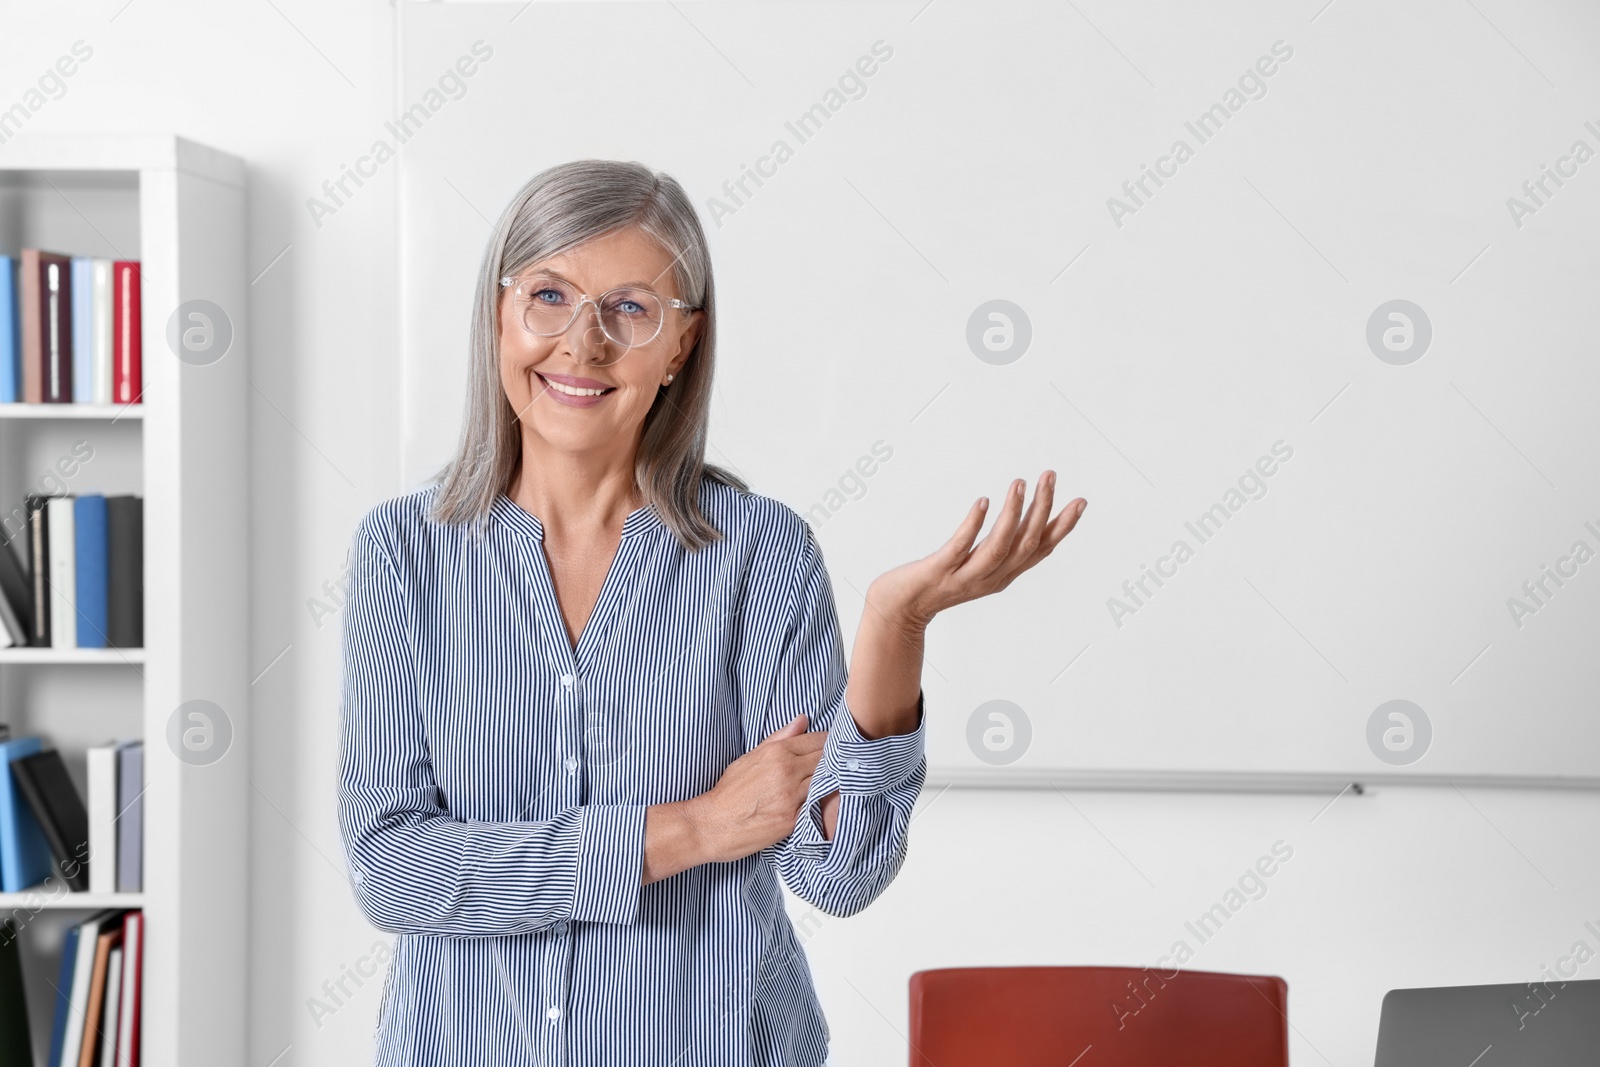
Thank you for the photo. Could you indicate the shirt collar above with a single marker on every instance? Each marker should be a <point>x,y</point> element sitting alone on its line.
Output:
<point>511,514</point>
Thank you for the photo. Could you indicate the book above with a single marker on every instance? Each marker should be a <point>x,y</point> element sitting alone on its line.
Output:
<point>124,572</point>
<point>89,533</point>
<point>113,1007</point>
<point>102,775</point>
<point>12,632</point>
<point>39,567</point>
<point>94,1008</point>
<point>87,949</point>
<point>63,574</point>
<point>82,329</point>
<point>55,328</point>
<point>16,1046</point>
<point>126,374</point>
<point>14,585</point>
<point>28,355</point>
<point>130,817</point>
<point>43,781</point>
<point>63,1007</point>
<point>132,989</point>
<point>10,332</point>
<point>102,331</point>
<point>24,852</point>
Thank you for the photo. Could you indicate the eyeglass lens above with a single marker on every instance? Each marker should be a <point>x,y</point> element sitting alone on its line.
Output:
<point>629,317</point>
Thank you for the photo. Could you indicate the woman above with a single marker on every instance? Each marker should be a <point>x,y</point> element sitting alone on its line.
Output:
<point>595,699</point>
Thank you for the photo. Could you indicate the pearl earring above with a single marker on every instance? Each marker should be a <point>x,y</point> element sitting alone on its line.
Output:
<point>669,379</point>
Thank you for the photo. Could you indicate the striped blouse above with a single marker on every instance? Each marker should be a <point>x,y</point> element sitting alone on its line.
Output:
<point>494,780</point>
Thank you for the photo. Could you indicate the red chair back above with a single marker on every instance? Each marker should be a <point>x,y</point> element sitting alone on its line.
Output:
<point>1097,1017</point>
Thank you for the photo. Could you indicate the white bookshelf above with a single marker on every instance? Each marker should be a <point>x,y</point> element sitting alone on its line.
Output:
<point>41,901</point>
<point>110,656</point>
<point>179,208</point>
<point>111,412</point>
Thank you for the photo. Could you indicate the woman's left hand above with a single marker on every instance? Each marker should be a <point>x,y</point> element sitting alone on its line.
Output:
<point>901,603</point>
<point>957,572</point>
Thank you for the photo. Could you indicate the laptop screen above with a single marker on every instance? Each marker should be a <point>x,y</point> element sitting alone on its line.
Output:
<point>1537,1024</point>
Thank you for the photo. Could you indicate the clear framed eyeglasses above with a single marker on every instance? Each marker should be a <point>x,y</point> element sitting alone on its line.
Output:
<point>630,316</point>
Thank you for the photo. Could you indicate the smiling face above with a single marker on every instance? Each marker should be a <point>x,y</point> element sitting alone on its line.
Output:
<point>540,374</point>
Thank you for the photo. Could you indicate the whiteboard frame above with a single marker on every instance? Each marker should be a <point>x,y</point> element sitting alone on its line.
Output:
<point>1144,781</point>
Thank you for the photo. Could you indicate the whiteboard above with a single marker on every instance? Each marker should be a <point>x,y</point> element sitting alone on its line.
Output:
<point>1185,335</point>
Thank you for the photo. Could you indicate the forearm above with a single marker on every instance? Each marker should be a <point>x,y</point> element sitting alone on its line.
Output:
<point>885,670</point>
<point>672,841</point>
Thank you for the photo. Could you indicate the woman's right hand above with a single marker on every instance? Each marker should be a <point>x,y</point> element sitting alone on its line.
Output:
<point>754,804</point>
<point>758,798</point>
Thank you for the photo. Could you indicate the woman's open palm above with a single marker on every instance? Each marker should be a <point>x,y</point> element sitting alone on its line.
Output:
<point>957,572</point>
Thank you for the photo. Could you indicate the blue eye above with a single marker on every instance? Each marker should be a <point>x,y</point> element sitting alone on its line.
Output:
<point>630,304</point>
<point>539,296</point>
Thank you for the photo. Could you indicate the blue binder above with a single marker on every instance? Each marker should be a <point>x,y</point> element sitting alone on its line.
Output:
<point>58,1027</point>
<point>24,852</point>
<point>10,332</point>
<point>89,536</point>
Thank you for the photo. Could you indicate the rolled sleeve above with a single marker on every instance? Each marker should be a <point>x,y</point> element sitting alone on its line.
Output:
<point>877,781</point>
<point>871,767</point>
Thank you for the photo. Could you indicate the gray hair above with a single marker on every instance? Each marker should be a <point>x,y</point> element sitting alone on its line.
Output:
<point>560,208</point>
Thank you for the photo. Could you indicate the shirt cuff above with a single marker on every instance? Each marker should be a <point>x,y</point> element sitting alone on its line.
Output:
<point>871,767</point>
<point>855,767</point>
<point>610,864</point>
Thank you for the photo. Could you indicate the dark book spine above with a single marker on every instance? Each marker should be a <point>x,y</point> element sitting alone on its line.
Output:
<point>14,585</point>
<point>56,328</point>
<point>68,858</point>
<point>16,1049</point>
<point>124,572</point>
<point>39,568</point>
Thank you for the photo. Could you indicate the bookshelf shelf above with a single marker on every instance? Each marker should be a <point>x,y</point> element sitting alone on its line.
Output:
<point>109,412</point>
<point>10,902</point>
<point>179,208</point>
<point>127,657</point>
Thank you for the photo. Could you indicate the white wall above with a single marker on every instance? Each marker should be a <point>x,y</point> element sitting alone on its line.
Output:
<point>249,79</point>
<point>1403,887</point>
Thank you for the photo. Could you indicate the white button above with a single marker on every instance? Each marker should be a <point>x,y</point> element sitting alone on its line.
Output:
<point>553,1014</point>
<point>572,765</point>
<point>567,680</point>
<point>853,763</point>
<point>561,928</point>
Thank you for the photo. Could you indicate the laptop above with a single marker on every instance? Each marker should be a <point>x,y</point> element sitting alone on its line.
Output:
<point>1530,1024</point>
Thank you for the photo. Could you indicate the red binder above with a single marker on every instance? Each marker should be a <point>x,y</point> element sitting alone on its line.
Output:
<point>126,378</point>
<point>128,1029</point>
